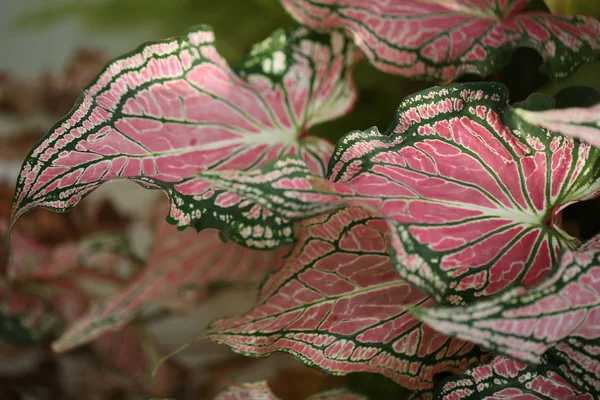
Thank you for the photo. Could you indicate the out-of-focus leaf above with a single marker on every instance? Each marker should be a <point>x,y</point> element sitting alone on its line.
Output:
<point>180,269</point>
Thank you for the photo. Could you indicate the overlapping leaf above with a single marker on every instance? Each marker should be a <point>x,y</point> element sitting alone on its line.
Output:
<point>172,110</point>
<point>338,305</point>
<point>180,269</point>
<point>441,40</point>
<point>581,120</point>
<point>560,316</point>
<point>261,391</point>
<point>470,191</point>
<point>504,378</point>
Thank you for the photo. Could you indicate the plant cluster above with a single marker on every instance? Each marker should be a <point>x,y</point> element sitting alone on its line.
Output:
<point>434,248</point>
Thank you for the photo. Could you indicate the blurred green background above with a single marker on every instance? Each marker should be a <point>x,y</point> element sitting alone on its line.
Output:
<point>52,29</point>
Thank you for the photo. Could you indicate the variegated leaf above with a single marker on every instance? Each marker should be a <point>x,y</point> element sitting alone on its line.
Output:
<point>261,391</point>
<point>339,306</point>
<point>471,192</point>
<point>441,40</point>
<point>581,121</point>
<point>180,268</point>
<point>504,378</point>
<point>170,111</point>
<point>561,316</point>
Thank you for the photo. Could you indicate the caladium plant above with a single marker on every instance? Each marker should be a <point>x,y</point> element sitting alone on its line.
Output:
<point>460,199</point>
<point>471,192</point>
<point>442,40</point>
<point>170,111</point>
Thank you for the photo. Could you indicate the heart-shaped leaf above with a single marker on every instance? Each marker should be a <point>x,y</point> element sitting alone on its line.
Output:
<point>560,316</point>
<point>338,305</point>
<point>441,40</point>
<point>172,110</point>
<point>471,192</point>
<point>504,378</point>
<point>582,122</point>
<point>180,268</point>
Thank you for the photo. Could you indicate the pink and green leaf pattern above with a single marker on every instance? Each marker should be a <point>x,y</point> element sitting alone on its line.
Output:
<point>339,306</point>
<point>441,40</point>
<point>472,193</point>
<point>560,316</point>
<point>261,391</point>
<point>180,269</point>
<point>504,378</point>
<point>170,111</point>
<point>581,121</point>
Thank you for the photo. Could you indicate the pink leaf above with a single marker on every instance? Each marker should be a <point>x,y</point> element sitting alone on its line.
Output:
<point>180,268</point>
<point>504,378</point>
<point>441,40</point>
<point>338,305</point>
<point>470,191</point>
<point>560,316</point>
<point>170,111</point>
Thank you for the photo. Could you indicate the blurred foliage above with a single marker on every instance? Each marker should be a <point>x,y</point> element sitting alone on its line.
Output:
<point>573,7</point>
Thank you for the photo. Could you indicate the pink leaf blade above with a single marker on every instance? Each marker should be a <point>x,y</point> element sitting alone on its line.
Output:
<point>442,40</point>
<point>558,317</point>
<point>180,270</point>
<point>338,305</point>
<point>170,111</point>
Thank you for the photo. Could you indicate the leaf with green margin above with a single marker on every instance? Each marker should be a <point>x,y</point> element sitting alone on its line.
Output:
<point>170,111</point>
<point>471,192</point>
<point>504,378</point>
<point>580,120</point>
<point>560,317</point>
<point>339,306</point>
<point>442,40</point>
